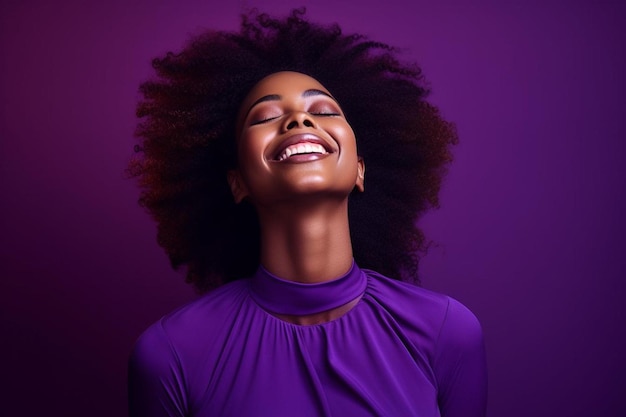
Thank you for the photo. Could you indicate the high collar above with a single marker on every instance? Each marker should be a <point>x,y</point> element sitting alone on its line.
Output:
<point>282,296</point>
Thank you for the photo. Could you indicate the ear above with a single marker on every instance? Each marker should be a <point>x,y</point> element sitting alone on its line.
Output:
<point>237,186</point>
<point>360,177</point>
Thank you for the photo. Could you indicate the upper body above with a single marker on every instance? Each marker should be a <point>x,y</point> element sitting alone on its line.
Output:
<point>400,350</point>
<point>257,166</point>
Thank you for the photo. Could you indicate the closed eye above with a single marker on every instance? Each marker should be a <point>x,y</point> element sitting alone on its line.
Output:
<point>266,120</point>
<point>324,108</point>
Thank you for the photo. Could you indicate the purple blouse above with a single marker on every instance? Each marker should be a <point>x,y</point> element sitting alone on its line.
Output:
<point>400,351</point>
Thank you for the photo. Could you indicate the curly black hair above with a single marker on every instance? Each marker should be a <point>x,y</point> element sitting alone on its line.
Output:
<point>187,143</point>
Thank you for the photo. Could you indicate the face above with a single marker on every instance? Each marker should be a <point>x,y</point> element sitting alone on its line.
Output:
<point>293,140</point>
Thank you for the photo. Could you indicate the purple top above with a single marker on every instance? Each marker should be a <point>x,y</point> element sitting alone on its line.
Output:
<point>400,351</point>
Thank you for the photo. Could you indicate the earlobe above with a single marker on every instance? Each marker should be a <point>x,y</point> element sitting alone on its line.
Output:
<point>360,177</point>
<point>237,188</point>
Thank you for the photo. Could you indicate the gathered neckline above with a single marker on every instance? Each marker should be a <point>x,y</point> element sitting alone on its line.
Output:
<point>281,296</point>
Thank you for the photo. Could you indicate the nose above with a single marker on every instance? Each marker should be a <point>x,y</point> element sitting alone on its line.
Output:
<point>298,119</point>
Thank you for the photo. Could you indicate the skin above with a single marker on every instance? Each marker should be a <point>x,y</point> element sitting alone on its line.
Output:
<point>301,201</point>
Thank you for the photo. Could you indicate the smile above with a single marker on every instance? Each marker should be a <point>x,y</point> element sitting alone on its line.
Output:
<point>302,147</point>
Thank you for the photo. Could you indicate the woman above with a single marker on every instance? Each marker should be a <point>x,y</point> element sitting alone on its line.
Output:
<point>250,167</point>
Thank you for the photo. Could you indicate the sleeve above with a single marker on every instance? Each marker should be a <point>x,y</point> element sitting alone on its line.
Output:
<point>155,377</point>
<point>460,364</point>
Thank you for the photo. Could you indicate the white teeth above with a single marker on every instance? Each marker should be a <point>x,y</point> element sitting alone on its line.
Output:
<point>301,148</point>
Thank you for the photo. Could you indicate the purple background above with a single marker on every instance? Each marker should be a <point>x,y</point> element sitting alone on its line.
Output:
<point>530,235</point>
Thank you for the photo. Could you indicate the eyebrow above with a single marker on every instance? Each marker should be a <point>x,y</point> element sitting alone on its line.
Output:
<point>275,97</point>
<point>314,92</point>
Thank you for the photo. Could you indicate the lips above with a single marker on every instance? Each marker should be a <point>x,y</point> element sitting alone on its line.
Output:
<point>302,144</point>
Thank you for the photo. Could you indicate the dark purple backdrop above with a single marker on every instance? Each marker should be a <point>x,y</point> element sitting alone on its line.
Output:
<point>530,234</point>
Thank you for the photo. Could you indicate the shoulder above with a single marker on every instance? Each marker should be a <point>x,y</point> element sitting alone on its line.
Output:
<point>207,311</point>
<point>435,319</point>
<point>460,329</point>
<point>166,355</point>
<point>408,302</point>
<point>460,364</point>
<point>193,324</point>
<point>449,335</point>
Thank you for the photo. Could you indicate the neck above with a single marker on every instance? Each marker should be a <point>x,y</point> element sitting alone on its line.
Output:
<point>308,243</point>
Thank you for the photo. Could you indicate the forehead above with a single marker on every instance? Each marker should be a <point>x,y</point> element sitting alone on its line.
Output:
<point>282,83</point>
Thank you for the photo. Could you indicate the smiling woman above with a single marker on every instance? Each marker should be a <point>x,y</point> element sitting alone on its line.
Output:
<point>294,142</point>
<point>252,161</point>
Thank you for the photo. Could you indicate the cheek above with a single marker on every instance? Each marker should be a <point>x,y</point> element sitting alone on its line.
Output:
<point>250,147</point>
<point>345,136</point>
<point>245,152</point>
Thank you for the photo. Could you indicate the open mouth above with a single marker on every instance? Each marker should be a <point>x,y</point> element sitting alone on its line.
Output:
<point>306,147</point>
<point>301,149</point>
